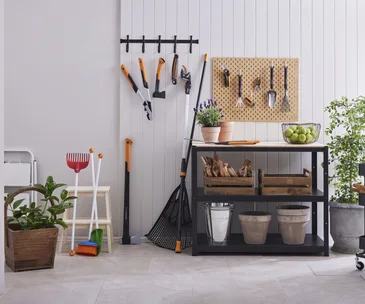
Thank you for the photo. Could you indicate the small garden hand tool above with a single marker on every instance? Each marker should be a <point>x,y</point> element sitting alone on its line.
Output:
<point>285,106</point>
<point>146,104</point>
<point>240,102</point>
<point>77,162</point>
<point>157,93</point>
<point>271,94</point>
<point>89,247</point>
<point>257,84</point>
<point>174,69</point>
<point>226,74</point>
<point>145,84</point>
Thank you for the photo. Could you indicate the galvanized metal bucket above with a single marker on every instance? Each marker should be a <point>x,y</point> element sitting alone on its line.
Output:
<point>218,218</point>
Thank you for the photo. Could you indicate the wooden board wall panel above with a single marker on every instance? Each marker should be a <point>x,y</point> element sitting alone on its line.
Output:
<point>360,47</point>
<point>171,175</point>
<point>160,123</point>
<point>127,96</point>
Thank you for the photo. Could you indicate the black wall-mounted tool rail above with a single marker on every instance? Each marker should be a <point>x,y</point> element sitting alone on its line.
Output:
<point>159,41</point>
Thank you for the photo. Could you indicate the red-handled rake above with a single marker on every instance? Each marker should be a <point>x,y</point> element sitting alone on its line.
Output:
<point>77,162</point>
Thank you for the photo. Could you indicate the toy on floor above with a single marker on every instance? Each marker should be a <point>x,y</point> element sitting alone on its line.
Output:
<point>77,162</point>
<point>92,247</point>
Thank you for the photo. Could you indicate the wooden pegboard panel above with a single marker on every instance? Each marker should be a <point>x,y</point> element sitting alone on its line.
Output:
<point>252,68</point>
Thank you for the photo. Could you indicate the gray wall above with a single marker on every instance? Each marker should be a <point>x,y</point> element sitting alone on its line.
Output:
<point>62,87</point>
<point>2,283</point>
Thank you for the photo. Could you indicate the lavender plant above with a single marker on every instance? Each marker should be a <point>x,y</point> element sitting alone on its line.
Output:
<point>209,113</point>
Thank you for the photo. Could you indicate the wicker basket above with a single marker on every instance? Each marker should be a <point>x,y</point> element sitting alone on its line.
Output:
<point>32,249</point>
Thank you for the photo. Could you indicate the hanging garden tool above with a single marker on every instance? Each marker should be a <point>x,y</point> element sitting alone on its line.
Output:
<point>285,106</point>
<point>145,83</point>
<point>174,69</point>
<point>257,84</point>
<point>157,93</point>
<point>172,230</point>
<point>271,94</point>
<point>92,247</point>
<point>146,103</point>
<point>226,74</point>
<point>77,162</point>
<point>240,102</point>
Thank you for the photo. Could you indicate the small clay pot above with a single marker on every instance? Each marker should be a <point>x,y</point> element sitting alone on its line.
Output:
<point>254,225</point>
<point>226,133</point>
<point>210,134</point>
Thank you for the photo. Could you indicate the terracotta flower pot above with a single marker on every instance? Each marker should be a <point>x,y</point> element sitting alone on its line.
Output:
<point>255,225</point>
<point>210,133</point>
<point>226,132</point>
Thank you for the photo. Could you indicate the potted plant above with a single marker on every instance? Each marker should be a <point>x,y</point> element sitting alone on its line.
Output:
<point>31,232</point>
<point>347,150</point>
<point>208,116</point>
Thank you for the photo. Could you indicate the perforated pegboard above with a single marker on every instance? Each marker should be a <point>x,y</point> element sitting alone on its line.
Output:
<point>252,68</point>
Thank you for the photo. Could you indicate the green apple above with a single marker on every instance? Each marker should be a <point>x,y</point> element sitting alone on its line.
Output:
<point>309,138</point>
<point>288,133</point>
<point>301,130</point>
<point>294,138</point>
<point>302,138</point>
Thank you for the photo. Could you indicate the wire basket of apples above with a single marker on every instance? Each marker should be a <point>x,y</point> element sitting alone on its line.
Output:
<point>296,133</point>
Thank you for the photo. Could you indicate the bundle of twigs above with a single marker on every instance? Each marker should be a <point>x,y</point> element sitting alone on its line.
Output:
<point>214,167</point>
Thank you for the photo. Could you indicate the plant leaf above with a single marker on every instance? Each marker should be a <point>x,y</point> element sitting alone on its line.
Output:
<point>17,203</point>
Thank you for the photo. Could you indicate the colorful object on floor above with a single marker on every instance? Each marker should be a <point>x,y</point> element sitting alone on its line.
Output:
<point>92,247</point>
<point>77,162</point>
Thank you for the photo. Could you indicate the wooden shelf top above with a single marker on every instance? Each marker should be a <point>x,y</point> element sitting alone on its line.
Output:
<point>263,145</point>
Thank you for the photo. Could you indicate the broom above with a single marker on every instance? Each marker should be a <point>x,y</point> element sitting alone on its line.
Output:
<point>172,230</point>
<point>92,247</point>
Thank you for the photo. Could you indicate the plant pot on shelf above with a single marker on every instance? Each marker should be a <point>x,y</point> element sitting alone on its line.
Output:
<point>226,132</point>
<point>346,226</point>
<point>255,225</point>
<point>210,134</point>
<point>293,221</point>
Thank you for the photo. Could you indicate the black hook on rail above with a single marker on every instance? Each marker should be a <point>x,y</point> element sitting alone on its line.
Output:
<point>143,44</point>
<point>159,44</point>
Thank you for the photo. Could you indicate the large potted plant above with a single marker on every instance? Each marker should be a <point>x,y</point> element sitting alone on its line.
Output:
<point>31,233</point>
<point>347,150</point>
<point>209,116</point>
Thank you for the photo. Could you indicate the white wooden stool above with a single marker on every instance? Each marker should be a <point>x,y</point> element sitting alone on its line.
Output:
<point>87,191</point>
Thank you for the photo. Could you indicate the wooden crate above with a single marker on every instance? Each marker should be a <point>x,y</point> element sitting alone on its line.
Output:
<point>31,249</point>
<point>229,185</point>
<point>285,184</point>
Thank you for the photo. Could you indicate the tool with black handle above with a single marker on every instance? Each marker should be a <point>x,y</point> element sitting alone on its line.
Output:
<point>145,83</point>
<point>146,106</point>
<point>157,93</point>
<point>285,106</point>
<point>271,94</point>
<point>174,69</point>
<point>126,239</point>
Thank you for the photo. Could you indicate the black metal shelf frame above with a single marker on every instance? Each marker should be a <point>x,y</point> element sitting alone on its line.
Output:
<point>313,243</point>
<point>160,41</point>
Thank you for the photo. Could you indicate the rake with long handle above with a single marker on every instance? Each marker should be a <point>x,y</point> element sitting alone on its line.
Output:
<point>77,162</point>
<point>172,230</point>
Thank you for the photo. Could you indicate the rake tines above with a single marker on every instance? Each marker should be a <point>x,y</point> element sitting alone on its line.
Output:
<point>77,161</point>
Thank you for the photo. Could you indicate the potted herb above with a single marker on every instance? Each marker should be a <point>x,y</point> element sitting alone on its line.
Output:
<point>208,116</point>
<point>31,233</point>
<point>347,151</point>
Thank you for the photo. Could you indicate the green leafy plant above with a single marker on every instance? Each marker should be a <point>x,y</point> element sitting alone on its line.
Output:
<point>347,145</point>
<point>209,114</point>
<point>38,217</point>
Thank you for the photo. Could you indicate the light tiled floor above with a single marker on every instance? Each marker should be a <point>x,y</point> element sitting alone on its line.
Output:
<point>148,274</point>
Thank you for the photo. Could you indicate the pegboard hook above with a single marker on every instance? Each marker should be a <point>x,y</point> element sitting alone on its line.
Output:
<point>159,44</point>
<point>175,38</point>
<point>127,45</point>
<point>143,44</point>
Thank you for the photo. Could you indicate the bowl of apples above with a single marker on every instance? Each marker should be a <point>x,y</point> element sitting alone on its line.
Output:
<point>296,133</point>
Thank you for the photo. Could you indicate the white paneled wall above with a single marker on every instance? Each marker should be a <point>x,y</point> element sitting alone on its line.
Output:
<point>327,35</point>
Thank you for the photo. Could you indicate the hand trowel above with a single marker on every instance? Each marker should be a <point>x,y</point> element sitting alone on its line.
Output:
<point>271,94</point>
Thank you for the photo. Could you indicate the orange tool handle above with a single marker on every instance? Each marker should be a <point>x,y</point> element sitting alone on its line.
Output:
<point>129,78</point>
<point>128,144</point>
<point>206,57</point>
<point>248,142</point>
<point>161,62</point>
<point>143,72</point>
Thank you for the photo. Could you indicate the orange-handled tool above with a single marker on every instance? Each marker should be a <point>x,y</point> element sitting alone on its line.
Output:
<point>126,239</point>
<point>174,69</point>
<point>143,72</point>
<point>157,93</point>
<point>146,103</point>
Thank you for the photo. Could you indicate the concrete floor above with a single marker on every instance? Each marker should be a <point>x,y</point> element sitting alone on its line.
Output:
<point>148,274</point>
